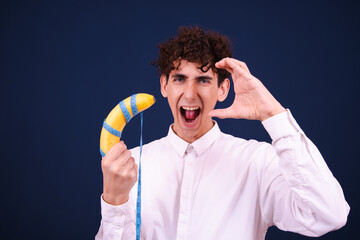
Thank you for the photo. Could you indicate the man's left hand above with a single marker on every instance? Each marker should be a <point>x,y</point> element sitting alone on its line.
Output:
<point>252,99</point>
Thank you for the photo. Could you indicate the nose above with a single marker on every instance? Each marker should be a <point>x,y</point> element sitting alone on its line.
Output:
<point>190,90</point>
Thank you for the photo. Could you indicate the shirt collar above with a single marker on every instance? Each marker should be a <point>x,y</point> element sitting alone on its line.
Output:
<point>200,145</point>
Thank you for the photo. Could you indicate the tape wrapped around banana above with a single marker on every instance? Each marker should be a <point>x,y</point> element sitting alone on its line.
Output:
<point>120,115</point>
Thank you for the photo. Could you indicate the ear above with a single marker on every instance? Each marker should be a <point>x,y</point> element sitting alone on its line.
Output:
<point>223,90</point>
<point>163,85</point>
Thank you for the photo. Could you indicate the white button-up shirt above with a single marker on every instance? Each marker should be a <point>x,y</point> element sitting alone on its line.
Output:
<point>223,187</point>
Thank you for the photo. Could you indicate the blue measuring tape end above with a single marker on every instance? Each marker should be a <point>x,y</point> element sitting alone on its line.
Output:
<point>138,199</point>
<point>111,130</point>
<point>125,111</point>
<point>102,152</point>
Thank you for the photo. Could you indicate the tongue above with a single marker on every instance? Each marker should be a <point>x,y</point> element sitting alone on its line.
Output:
<point>190,114</point>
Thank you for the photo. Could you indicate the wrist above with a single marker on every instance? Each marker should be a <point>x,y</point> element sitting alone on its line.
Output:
<point>279,109</point>
<point>115,200</point>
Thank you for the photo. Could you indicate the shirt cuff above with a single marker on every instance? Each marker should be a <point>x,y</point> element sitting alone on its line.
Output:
<point>112,211</point>
<point>281,125</point>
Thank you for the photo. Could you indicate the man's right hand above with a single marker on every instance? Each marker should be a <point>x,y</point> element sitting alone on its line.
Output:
<point>120,174</point>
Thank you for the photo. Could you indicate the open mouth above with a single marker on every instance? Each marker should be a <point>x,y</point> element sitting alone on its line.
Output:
<point>190,113</point>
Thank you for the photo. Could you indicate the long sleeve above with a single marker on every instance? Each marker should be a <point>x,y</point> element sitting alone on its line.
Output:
<point>298,192</point>
<point>118,222</point>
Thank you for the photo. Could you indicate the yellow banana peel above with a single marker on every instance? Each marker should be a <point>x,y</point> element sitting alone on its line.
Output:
<point>120,116</point>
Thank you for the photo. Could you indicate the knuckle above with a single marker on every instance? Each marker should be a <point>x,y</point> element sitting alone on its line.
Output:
<point>127,154</point>
<point>122,144</point>
<point>136,168</point>
<point>115,170</point>
<point>118,169</point>
<point>104,163</point>
<point>123,176</point>
<point>126,176</point>
<point>116,147</point>
<point>121,172</point>
<point>134,175</point>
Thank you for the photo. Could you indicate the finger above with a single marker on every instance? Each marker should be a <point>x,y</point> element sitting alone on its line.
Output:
<point>235,65</point>
<point>112,155</point>
<point>223,64</point>
<point>136,170</point>
<point>242,71</point>
<point>129,164</point>
<point>220,63</point>
<point>122,168</point>
<point>124,157</point>
<point>130,168</point>
<point>229,63</point>
<point>221,113</point>
<point>242,64</point>
<point>136,167</point>
<point>115,151</point>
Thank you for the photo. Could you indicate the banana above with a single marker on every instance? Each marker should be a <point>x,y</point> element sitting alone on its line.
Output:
<point>120,115</point>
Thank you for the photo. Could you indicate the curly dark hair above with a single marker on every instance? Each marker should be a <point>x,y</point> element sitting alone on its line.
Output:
<point>194,45</point>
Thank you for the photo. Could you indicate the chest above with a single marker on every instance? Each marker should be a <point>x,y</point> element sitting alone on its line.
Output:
<point>201,181</point>
<point>189,194</point>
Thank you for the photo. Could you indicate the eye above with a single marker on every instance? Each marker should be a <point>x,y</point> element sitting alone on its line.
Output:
<point>178,79</point>
<point>204,81</point>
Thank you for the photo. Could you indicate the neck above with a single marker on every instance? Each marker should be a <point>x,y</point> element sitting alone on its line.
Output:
<point>191,136</point>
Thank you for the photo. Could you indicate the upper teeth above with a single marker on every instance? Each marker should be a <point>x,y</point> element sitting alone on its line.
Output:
<point>191,108</point>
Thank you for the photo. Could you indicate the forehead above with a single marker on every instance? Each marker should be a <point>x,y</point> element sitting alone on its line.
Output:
<point>190,68</point>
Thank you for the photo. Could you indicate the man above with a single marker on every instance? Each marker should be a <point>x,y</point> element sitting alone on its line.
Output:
<point>199,183</point>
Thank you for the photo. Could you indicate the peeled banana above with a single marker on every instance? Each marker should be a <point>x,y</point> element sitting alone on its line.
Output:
<point>120,115</point>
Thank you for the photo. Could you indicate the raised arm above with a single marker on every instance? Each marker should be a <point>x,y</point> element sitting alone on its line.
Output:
<point>297,190</point>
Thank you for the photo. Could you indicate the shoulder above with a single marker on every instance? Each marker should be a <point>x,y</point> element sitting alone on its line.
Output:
<point>247,150</point>
<point>228,140</point>
<point>244,157</point>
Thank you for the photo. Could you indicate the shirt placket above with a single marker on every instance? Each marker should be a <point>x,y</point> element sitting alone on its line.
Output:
<point>186,194</point>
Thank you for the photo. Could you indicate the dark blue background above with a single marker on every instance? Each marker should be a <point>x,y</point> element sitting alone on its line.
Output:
<point>65,65</point>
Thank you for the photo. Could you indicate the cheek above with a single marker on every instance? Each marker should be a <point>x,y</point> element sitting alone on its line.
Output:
<point>172,104</point>
<point>210,106</point>
<point>174,94</point>
<point>210,99</point>
<point>173,100</point>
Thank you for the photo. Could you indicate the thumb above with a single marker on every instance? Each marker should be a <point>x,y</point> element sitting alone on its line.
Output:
<point>221,113</point>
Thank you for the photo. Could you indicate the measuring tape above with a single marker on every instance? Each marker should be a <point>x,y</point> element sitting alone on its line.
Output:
<point>138,199</point>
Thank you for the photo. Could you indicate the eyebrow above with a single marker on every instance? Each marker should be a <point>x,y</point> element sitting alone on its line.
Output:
<point>204,78</point>
<point>179,75</point>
